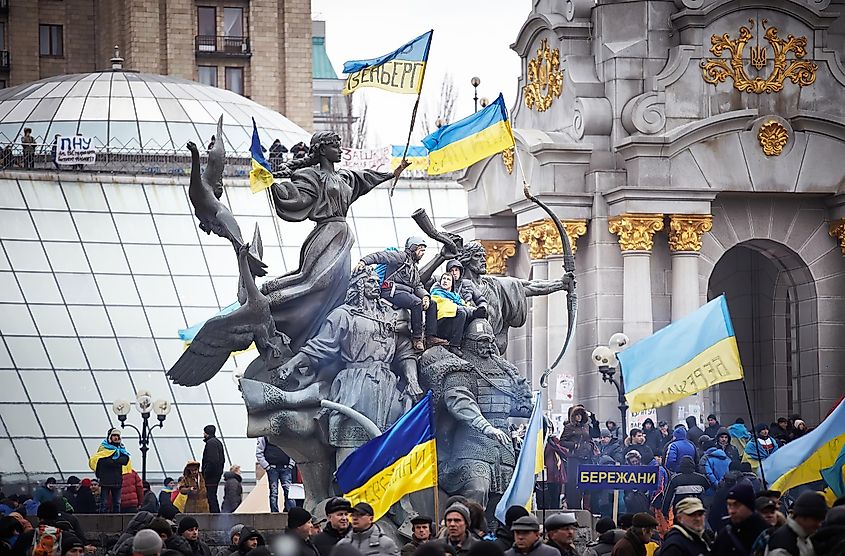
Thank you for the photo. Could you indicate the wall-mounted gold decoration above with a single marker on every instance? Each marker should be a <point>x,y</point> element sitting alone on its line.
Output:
<point>685,231</point>
<point>498,253</point>
<point>507,159</point>
<point>543,239</point>
<point>800,72</point>
<point>545,80</point>
<point>837,230</point>
<point>773,137</point>
<point>636,231</point>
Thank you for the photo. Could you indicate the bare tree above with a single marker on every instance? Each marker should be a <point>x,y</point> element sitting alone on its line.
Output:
<point>359,128</point>
<point>353,131</point>
<point>443,110</point>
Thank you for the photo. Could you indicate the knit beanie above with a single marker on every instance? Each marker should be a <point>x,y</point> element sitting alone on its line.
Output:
<point>761,427</point>
<point>236,530</point>
<point>186,523</point>
<point>810,504</point>
<point>513,513</point>
<point>146,542</point>
<point>459,508</point>
<point>297,517</point>
<point>69,540</point>
<point>604,525</point>
<point>743,493</point>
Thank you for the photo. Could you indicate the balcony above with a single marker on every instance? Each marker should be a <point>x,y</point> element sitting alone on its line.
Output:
<point>210,45</point>
<point>4,60</point>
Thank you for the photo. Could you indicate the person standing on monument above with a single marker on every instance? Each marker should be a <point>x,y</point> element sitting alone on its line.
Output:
<point>213,460</point>
<point>279,468</point>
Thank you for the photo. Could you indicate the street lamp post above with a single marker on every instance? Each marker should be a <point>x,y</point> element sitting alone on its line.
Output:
<point>604,358</point>
<point>145,403</point>
<point>475,83</point>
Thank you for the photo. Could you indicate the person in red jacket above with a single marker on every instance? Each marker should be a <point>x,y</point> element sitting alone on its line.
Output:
<point>132,493</point>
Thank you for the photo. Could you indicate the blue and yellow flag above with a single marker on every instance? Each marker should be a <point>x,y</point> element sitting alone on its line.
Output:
<point>465,142</point>
<point>834,475</point>
<point>417,156</point>
<point>400,461</point>
<point>688,356</point>
<point>805,459</point>
<point>106,450</point>
<point>261,175</point>
<point>528,464</point>
<point>187,334</point>
<point>400,71</point>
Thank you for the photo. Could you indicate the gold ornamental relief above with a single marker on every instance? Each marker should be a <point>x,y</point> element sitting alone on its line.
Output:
<point>636,231</point>
<point>685,231</point>
<point>800,72</point>
<point>773,137</point>
<point>534,235</point>
<point>545,80</point>
<point>837,230</point>
<point>507,159</point>
<point>544,240</point>
<point>498,253</point>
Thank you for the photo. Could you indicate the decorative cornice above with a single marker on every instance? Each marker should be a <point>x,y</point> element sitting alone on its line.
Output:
<point>635,231</point>
<point>837,230</point>
<point>543,239</point>
<point>685,231</point>
<point>773,137</point>
<point>498,253</point>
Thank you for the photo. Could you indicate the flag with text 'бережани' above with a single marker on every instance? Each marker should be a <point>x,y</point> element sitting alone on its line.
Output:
<point>687,356</point>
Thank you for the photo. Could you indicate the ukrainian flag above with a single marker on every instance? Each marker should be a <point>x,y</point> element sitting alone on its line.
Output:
<point>805,459</point>
<point>400,461</point>
<point>688,356</point>
<point>528,464</point>
<point>417,156</point>
<point>465,142</point>
<point>187,335</point>
<point>260,177</point>
<point>400,71</point>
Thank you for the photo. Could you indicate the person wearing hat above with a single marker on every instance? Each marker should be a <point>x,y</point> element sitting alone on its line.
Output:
<point>107,463</point>
<point>337,526</point>
<point>634,542</point>
<point>422,531</point>
<point>610,446</point>
<point>248,539</point>
<point>298,533</point>
<point>713,426</point>
<point>526,539</point>
<point>504,537</point>
<point>146,543</point>
<point>73,545</point>
<point>234,540</point>
<point>457,520</point>
<point>764,446</point>
<point>806,516</point>
<point>686,537</point>
<point>213,461</point>
<point>768,510</point>
<point>745,524</point>
<point>561,530</point>
<point>608,535</point>
<point>829,540</point>
<point>189,529</point>
<point>636,500</point>
<point>367,537</point>
<point>192,485</point>
<point>685,484</point>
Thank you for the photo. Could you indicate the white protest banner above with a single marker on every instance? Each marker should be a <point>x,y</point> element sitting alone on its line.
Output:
<point>75,150</point>
<point>366,159</point>
<point>635,419</point>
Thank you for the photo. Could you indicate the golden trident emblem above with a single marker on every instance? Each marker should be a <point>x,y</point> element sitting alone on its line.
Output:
<point>800,72</point>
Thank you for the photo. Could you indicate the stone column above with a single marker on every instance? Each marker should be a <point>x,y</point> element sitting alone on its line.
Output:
<point>685,231</point>
<point>636,233</point>
<point>534,235</point>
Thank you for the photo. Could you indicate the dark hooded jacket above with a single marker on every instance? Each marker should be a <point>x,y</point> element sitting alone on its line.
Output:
<point>605,543</point>
<point>652,437</point>
<point>328,537</point>
<point>123,546</point>
<point>247,533</point>
<point>737,540</point>
<point>712,430</point>
<point>401,269</point>
<point>232,492</point>
<point>504,538</point>
<point>686,484</point>
<point>179,544</point>
<point>719,505</point>
<point>694,431</point>
<point>729,449</point>
<point>576,436</point>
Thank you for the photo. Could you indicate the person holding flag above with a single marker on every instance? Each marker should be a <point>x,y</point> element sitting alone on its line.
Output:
<point>109,463</point>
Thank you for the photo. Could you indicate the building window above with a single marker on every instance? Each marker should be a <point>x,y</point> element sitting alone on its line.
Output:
<point>207,21</point>
<point>50,40</point>
<point>2,83</point>
<point>233,22</point>
<point>325,105</point>
<point>208,75</point>
<point>2,35</point>
<point>235,80</point>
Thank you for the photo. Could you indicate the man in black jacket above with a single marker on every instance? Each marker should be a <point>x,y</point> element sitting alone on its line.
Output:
<point>713,426</point>
<point>402,286</point>
<point>109,471</point>
<point>687,483</point>
<point>504,536</point>
<point>693,430</point>
<point>189,529</point>
<point>213,460</point>
<point>337,527</point>
<point>738,536</point>
<point>279,468</point>
<point>685,538</point>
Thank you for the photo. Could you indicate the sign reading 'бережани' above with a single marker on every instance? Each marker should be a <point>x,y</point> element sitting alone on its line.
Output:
<point>617,477</point>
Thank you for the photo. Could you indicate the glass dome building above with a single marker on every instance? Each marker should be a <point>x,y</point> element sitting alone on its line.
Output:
<point>99,270</point>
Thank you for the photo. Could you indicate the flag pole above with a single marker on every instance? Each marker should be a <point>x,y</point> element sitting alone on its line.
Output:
<point>413,114</point>
<point>754,433</point>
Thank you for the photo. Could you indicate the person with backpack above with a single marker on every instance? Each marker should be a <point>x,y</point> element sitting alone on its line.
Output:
<point>279,468</point>
<point>109,463</point>
<point>686,484</point>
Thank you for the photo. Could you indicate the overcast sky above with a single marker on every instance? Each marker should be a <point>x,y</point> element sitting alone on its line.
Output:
<point>471,38</point>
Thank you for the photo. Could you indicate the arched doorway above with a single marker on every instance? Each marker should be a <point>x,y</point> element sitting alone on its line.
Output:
<point>774,307</point>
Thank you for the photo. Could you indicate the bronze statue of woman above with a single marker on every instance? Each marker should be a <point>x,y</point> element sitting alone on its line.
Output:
<point>315,190</point>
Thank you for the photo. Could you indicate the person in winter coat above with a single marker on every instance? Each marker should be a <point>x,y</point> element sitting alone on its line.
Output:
<point>611,447</point>
<point>745,524</point>
<point>713,426</point>
<point>678,448</point>
<point>686,537</point>
<point>686,484</point>
<point>452,313</point>
<point>723,442</point>
<point>503,534</point>
<point>829,540</point>
<point>577,440</point>
<point>189,529</point>
<point>132,493</point>
<point>85,501</point>
<point>297,535</point>
<point>527,540</point>
<point>213,460</point>
<point>694,431</point>
<point>248,539</point>
<point>337,525</point>
<point>47,491</point>
<point>368,537</point>
<point>457,531</point>
<point>715,464</point>
<point>608,536</point>
<point>422,530</point>
<point>806,517</point>
<point>633,543</point>
<point>108,463</point>
<point>193,486</point>
<point>123,546</point>
<point>615,431</point>
<point>165,499</point>
<point>652,436</point>
<point>233,490</point>
<point>761,448</point>
<point>554,459</point>
<point>150,501</point>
